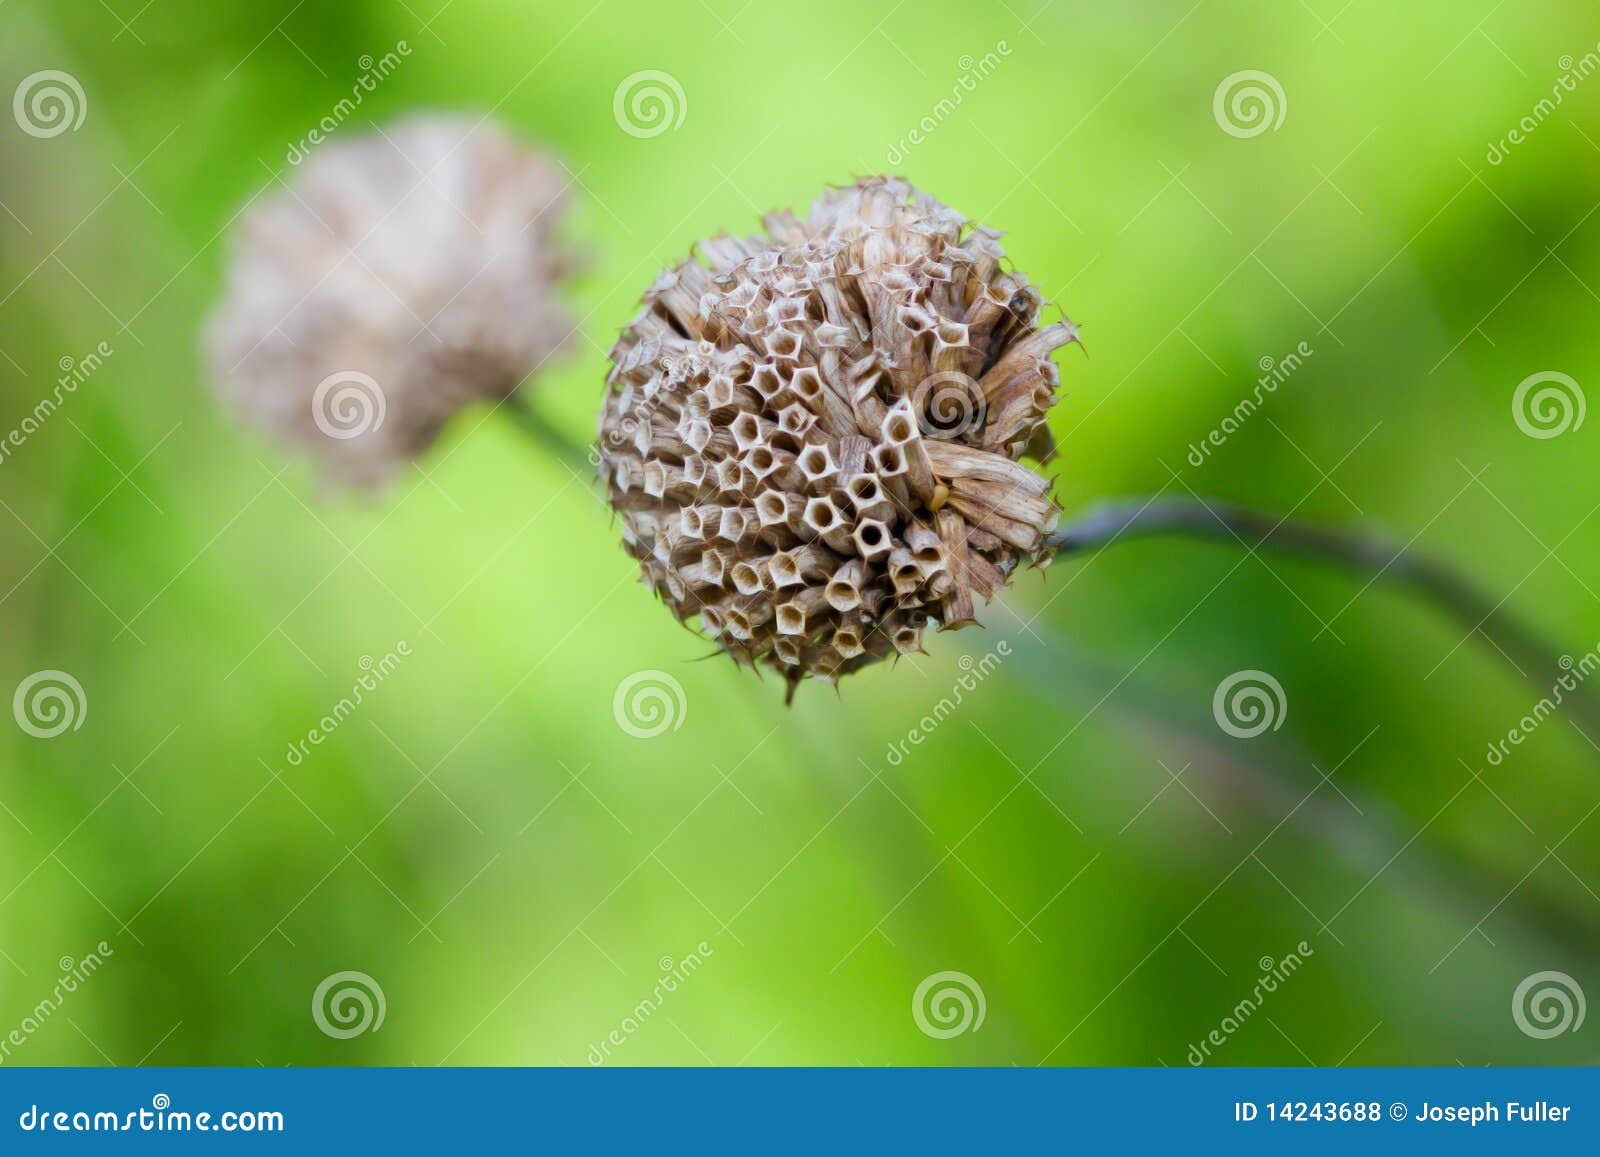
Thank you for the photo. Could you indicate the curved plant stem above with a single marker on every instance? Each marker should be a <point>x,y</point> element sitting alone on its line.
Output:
<point>550,439</point>
<point>1359,552</point>
<point>1356,551</point>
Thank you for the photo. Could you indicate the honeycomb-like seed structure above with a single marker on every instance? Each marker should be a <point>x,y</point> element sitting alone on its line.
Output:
<point>813,436</point>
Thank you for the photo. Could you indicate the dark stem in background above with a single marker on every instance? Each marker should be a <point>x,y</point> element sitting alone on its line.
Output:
<point>1268,777</point>
<point>1356,551</point>
<point>533,423</point>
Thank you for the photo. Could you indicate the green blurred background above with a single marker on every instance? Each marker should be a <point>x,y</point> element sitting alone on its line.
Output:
<point>484,840</point>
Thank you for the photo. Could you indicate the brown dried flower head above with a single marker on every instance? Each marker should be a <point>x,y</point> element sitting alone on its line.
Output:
<point>813,436</point>
<point>401,275</point>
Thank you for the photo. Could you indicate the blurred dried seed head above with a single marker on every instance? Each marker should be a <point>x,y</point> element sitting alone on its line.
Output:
<point>401,275</point>
<point>813,436</point>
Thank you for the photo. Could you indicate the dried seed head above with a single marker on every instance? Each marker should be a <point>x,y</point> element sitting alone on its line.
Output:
<point>874,374</point>
<point>402,275</point>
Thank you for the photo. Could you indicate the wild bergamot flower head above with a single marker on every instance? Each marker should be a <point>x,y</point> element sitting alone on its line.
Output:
<point>398,276</point>
<point>813,435</point>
